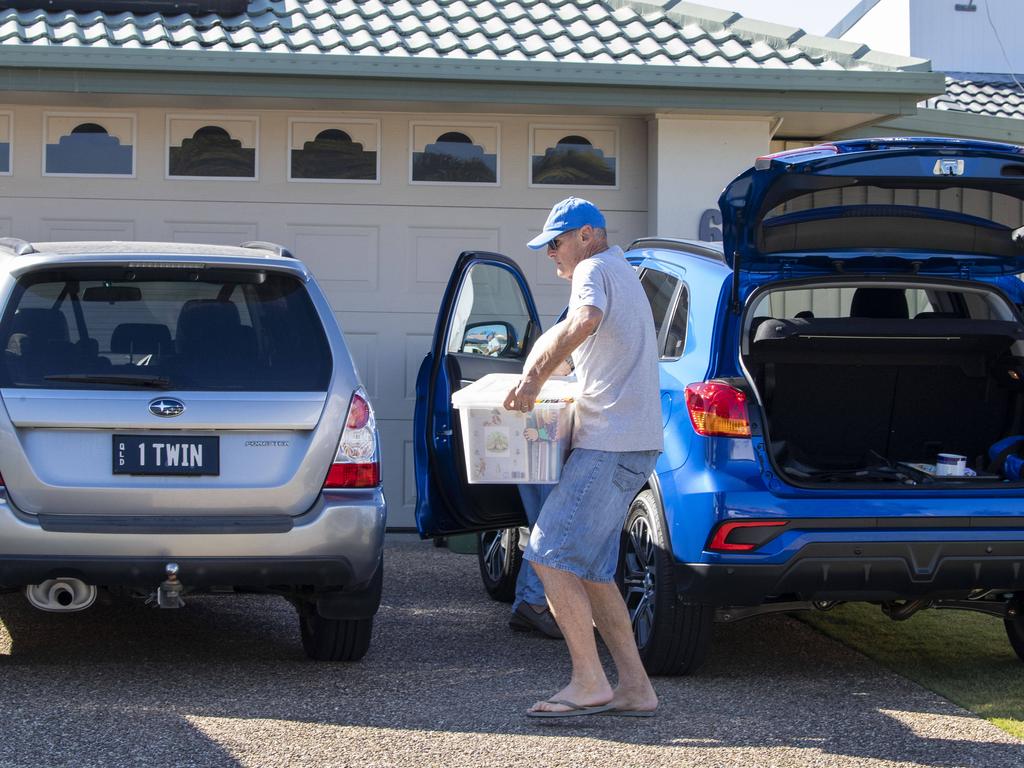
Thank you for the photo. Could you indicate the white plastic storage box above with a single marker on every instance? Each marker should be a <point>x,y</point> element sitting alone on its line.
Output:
<point>509,446</point>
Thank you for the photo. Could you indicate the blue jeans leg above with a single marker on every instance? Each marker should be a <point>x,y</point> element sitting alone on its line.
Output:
<point>528,586</point>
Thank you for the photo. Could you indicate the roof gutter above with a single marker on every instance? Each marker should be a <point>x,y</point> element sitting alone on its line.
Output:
<point>918,84</point>
<point>939,122</point>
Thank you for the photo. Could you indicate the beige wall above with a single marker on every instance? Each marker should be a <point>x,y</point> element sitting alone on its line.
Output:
<point>691,160</point>
<point>382,252</point>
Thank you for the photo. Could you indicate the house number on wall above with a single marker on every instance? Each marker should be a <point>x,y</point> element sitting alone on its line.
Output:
<point>711,225</point>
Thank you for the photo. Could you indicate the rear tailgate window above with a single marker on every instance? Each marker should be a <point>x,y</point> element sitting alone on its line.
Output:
<point>165,328</point>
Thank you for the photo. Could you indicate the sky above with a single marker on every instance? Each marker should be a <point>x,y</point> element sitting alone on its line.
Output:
<point>814,16</point>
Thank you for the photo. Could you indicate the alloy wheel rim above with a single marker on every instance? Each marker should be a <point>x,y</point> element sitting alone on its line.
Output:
<point>495,547</point>
<point>639,579</point>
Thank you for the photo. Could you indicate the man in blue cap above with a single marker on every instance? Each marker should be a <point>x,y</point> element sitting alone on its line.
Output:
<point>609,332</point>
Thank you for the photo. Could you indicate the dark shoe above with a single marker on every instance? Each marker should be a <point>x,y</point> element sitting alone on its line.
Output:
<point>525,619</point>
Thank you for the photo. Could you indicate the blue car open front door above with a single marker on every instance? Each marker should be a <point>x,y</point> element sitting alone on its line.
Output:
<point>487,324</point>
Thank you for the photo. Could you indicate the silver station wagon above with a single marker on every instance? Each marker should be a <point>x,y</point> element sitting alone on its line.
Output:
<point>179,419</point>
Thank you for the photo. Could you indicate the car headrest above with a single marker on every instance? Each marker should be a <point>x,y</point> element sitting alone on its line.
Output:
<point>141,339</point>
<point>205,323</point>
<point>887,303</point>
<point>41,325</point>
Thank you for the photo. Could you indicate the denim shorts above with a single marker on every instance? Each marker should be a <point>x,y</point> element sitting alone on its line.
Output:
<point>580,524</point>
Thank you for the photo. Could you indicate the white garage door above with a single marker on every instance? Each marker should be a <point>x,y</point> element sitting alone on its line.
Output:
<point>382,250</point>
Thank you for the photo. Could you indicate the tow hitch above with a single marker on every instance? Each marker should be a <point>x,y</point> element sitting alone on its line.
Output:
<point>168,594</point>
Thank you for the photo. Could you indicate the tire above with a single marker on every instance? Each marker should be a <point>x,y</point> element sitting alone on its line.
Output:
<point>333,639</point>
<point>673,637</point>
<point>1015,626</point>
<point>500,559</point>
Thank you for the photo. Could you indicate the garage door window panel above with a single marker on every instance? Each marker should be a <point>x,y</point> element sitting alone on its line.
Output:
<point>564,157</point>
<point>344,151</point>
<point>6,118</point>
<point>205,148</point>
<point>89,146</point>
<point>454,154</point>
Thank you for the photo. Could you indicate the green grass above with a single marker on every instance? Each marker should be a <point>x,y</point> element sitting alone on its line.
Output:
<point>965,657</point>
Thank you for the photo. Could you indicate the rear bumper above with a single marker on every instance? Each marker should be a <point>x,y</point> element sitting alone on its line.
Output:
<point>337,543</point>
<point>194,572</point>
<point>863,571</point>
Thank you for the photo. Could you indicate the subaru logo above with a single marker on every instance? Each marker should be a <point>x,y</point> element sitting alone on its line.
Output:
<point>167,407</point>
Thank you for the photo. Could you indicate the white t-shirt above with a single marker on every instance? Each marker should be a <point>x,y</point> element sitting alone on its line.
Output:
<point>617,366</point>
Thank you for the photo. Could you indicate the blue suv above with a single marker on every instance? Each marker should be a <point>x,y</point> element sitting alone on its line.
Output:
<point>813,370</point>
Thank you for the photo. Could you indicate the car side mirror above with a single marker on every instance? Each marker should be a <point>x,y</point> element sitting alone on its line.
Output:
<point>493,338</point>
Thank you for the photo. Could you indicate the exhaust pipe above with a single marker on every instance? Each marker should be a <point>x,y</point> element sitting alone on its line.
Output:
<point>63,595</point>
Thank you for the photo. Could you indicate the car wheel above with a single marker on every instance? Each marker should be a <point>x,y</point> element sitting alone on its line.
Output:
<point>1015,626</point>
<point>673,637</point>
<point>500,560</point>
<point>333,639</point>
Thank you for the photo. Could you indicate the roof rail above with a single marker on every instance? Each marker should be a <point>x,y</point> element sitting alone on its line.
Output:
<point>694,247</point>
<point>17,246</point>
<point>264,245</point>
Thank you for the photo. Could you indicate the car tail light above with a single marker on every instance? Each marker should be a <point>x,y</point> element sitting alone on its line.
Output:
<point>744,535</point>
<point>356,464</point>
<point>717,409</point>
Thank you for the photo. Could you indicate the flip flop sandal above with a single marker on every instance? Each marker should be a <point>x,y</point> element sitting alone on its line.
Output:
<point>574,709</point>
<point>630,712</point>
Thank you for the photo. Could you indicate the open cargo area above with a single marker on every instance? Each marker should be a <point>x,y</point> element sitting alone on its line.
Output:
<point>852,395</point>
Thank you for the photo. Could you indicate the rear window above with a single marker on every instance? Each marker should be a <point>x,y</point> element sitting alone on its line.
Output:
<point>165,328</point>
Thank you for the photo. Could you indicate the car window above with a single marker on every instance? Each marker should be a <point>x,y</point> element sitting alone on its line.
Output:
<point>675,339</point>
<point>204,329</point>
<point>491,316</point>
<point>660,289</point>
<point>837,302</point>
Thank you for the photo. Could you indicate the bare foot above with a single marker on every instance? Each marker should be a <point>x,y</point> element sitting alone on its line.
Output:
<point>578,695</point>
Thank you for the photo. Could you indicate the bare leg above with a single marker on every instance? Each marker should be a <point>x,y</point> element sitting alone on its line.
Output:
<point>634,690</point>
<point>571,606</point>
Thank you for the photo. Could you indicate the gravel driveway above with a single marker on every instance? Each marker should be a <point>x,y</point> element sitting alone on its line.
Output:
<point>224,683</point>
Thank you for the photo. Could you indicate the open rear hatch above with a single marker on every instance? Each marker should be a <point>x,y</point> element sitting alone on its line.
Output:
<point>865,340</point>
<point>882,206</point>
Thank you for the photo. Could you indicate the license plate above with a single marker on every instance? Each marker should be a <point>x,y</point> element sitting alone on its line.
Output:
<point>166,455</point>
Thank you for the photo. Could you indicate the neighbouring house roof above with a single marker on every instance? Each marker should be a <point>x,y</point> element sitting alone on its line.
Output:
<point>981,94</point>
<point>669,34</point>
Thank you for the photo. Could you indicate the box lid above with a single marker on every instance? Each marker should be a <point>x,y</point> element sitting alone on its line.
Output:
<point>490,390</point>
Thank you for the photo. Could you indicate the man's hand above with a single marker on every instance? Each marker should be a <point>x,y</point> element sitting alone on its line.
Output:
<point>549,354</point>
<point>522,397</point>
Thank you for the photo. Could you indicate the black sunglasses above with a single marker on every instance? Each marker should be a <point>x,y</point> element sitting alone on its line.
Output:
<point>556,242</point>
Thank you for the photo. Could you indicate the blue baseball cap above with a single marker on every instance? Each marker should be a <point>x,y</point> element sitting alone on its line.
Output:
<point>571,213</point>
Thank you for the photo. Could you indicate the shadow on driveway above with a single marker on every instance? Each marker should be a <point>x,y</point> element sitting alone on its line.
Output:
<point>225,682</point>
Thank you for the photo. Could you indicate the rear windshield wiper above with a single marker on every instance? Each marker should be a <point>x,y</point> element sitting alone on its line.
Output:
<point>127,379</point>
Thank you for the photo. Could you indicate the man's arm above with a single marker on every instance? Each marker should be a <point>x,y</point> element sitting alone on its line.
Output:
<point>549,353</point>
